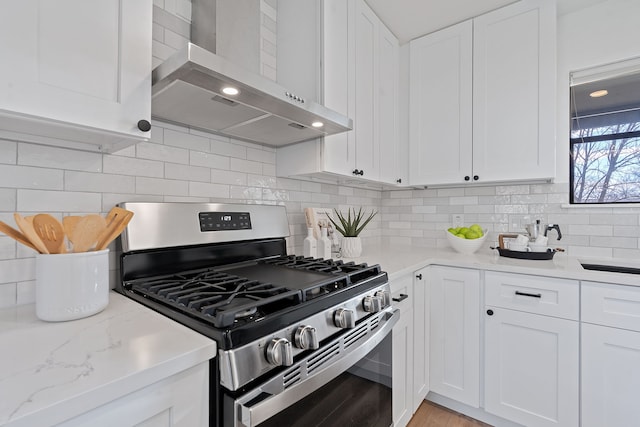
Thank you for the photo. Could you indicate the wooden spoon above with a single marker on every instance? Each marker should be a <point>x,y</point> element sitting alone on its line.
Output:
<point>116,228</point>
<point>51,232</point>
<point>27,229</point>
<point>69,224</point>
<point>86,232</point>
<point>15,234</point>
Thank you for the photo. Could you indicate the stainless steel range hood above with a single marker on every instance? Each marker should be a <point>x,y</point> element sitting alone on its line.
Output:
<point>187,89</point>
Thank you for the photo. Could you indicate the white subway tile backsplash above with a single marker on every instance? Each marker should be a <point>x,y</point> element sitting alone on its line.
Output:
<point>132,166</point>
<point>98,182</point>
<point>260,155</point>
<point>213,161</point>
<point>226,148</point>
<point>58,158</point>
<point>31,177</point>
<point>163,153</point>
<point>186,172</point>
<point>8,152</point>
<point>57,201</point>
<point>201,189</point>
<point>7,247</point>
<point>8,295</point>
<point>8,199</point>
<point>26,292</point>
<point>175,41</point>
<point>186,140</point>
<point>109,200</point>
<point>17,270</point>
<point>248,166</point>
<point>161,186</point>
<point>228,177</point>
<point>591,230</point>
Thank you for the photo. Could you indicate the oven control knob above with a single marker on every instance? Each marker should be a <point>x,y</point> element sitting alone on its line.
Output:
<point>344,318</point>
<point>372,304</point>
<point>385,297</point>
<point>306,337</point>
<point>279,352</point>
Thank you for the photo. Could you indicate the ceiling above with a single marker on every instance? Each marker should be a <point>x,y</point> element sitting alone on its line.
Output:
<point>409,19</point>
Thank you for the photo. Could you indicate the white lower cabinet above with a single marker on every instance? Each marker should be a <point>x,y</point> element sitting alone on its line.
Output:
<point>531,367</point>
<point>454,338</point>
<point>181,400</point>
<point>421,331</point>
<point>402,295</point>
<point>610,355</point>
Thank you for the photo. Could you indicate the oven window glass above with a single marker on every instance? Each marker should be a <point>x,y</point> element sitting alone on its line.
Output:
<point>358,397</point>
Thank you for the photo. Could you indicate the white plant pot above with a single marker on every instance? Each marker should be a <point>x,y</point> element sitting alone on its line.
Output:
<point>351,247</point>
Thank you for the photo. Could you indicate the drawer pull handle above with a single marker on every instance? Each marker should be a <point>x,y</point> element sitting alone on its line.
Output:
<point>419,276</point>
<point>525,294</point>
<point>402,297</point>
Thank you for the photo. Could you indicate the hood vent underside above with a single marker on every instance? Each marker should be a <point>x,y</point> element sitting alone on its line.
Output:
<point>187,90</point>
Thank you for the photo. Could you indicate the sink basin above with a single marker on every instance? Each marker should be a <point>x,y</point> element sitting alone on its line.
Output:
<point>611,268</point>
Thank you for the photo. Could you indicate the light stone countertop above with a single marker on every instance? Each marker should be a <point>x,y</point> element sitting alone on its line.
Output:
<point>399,260</point>
<point>52,371</point>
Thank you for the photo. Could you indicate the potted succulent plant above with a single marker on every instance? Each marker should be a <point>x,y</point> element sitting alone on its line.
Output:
<point>350,226</point>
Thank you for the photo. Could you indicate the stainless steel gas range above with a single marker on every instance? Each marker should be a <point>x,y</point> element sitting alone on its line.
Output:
<point>302,341</point>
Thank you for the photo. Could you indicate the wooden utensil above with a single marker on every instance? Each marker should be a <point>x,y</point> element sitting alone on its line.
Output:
<point>16,235</point>
<point>85,233</point>
<point>114,216</point>
<point>118,225</point>
<point>27,229</point>
<point>51,232</point>
<point>69,224</point>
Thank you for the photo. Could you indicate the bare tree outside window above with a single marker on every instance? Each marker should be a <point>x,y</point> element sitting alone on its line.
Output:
<point>605,141</point>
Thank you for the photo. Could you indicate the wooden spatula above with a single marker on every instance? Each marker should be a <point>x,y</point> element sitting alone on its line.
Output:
<point>85,233</point>
<point>120,221</point>
<point>16,235</point>
<point>27,229</point>
<point>51,232</point>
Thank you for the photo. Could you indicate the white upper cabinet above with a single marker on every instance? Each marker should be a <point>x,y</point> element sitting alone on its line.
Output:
<point>483,98</point>
<point>440,106</point>
<point>76,73</point>
<point>359,78</point>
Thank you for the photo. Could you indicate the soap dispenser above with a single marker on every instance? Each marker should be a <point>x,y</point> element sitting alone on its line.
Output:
<point>310,245</point>
<point>324,244</point>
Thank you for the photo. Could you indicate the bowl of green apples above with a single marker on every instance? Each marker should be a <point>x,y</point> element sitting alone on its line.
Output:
<point>466,240</point>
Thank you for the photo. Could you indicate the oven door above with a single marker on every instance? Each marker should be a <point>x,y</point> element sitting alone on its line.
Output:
<point>346,382</point>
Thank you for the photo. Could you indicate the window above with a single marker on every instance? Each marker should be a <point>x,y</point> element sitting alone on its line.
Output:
<point>605,135</point>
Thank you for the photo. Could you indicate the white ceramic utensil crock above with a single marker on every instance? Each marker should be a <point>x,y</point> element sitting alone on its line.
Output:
<point>71,286</point>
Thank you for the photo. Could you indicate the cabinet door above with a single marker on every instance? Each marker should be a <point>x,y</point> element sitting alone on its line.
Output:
<point>421,332</point>
<point>182,400</point>
<point>365,117</point>
<point>388,106</point>
<point>454,369</point>
<point>403,369</point>
<point>76,64</point>
<point>514,79</point>
<point>338,151</point>
<point>440,116</point>
<point>610,376</point>
<point>531,368</point>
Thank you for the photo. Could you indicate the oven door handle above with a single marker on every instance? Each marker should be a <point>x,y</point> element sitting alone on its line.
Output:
<point>250,416</point>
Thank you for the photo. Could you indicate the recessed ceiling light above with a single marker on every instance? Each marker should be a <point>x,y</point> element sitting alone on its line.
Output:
<point>317,124</point>
<point>599,93</point>
<point>230,90</point>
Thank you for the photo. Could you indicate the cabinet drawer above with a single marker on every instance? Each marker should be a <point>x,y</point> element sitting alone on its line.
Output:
<point>402,293</point>
<point>611,305</point>
<point>533,294</point>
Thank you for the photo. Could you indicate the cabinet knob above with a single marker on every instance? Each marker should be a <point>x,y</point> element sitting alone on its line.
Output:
<point>361,172</point>
<point>476,177</point>
<point>399,180</point>
<point>466,178</point>
<point>490,312</point>
<point>355,172</point>
<point>144,125</point>
<point>419,276</point>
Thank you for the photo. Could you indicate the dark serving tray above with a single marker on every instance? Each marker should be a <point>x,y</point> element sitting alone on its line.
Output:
<point>527,255</point>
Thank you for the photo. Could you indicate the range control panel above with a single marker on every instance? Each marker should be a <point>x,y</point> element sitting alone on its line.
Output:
<point>216,221</point>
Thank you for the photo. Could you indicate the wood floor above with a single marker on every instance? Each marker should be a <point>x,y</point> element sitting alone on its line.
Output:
<point>430,414</point>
